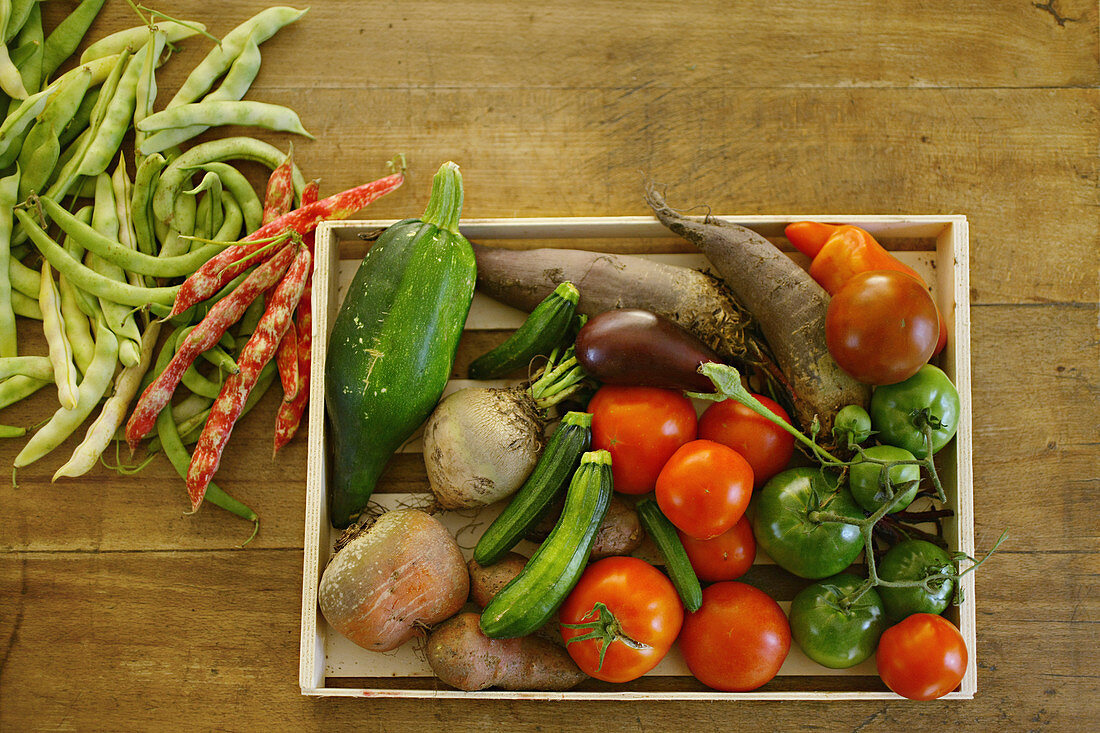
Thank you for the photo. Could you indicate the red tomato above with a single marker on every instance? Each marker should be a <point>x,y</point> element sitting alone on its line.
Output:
<point>766,446</point>
<point>704,488</point>
<point>640,603</point>
<point>922,658</point>
<point>641,427</point>
<point>737,640</point>
<point>725,557</point>
<point>882,326</point>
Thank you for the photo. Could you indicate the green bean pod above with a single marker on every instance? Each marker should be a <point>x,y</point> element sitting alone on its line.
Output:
<point>232,221</point>
<point>77,125</point>
<point>256,29</point>
<point>89,280</point>
<point>121,256</point>
<point>215,114</point>
<point>235,182</point>
<point>127,237</point>
<point>10,79</point>
<point>20,13</point>
<point>120,318</point>
<point>61,353</point>
<point>9,191</point>
<point>146,88</point>
<point>30,33</point>
<point>16,123</point>
<point>74,157</point>
<point>67,35</point>
<point>92,388</point>
<point>117,117</point>
<point>231,148</point>
<point>128,38</point>
<point>36,367</point>
<point>113,414</point>
<point>75,306</point>
<point>237,81</point>
<point>18,388</point>
<point>141,202</point>
<point>24,306</point>
<point>42,146</point>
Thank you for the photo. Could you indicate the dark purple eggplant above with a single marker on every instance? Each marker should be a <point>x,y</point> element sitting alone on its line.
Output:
<point>637,347</point>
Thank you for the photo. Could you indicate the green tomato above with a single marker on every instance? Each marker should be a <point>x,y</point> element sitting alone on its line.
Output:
<point>897,411</point>
<point>914,560</point>
<point>864,478</point>
<point>784,530</point>
<point>831,635</point>
<point>851,426</point>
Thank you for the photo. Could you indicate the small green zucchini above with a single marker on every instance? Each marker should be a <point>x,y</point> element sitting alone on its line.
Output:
<point>541,333</point>
<point>664,536</point>
<point>557,463</point>
<point>531,598</point>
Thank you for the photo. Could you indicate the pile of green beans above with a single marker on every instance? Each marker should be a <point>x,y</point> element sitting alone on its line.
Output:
<point>96,235</point>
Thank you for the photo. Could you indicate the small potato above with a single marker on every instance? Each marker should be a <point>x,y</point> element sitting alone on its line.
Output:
<point>619,534</point>
<point>486,582</point>
<point>463,657</point>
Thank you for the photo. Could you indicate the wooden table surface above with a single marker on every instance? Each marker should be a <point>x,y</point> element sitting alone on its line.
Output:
<point>118,611</point>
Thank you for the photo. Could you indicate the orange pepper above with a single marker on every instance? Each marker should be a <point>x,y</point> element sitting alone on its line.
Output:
<point>840,252</point>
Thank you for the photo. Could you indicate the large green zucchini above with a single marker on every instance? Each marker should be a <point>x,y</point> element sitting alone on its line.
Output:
<point>393,342</point>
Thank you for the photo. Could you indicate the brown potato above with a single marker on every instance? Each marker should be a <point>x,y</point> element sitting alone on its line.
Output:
<point>486,582</point>
<point>463,657</point>
<point>620,533</point>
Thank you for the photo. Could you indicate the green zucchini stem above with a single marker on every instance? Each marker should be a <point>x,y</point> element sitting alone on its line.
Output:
<point>445,204</point>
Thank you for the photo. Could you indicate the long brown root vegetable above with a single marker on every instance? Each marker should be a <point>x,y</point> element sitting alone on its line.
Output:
<point>788,304</point>
<point>403,571</point>
<point>692,299</point>
<point>463,657</point>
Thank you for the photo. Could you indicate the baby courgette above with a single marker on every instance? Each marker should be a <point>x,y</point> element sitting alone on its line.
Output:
<point>556,464</point>
<point>531,598</point>
<point>541,333</point>
<point>679,569</point>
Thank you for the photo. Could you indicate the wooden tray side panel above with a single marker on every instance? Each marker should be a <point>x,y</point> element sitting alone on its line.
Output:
<point>946,270</point>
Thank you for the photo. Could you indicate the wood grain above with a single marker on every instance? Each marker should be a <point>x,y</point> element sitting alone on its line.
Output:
<point>117,611</point>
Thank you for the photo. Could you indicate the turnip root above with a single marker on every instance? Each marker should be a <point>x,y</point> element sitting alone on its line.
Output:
<point>480,445</point>
<point>487,580</point>
<point>463,657</point>
<point>788,304</point>
<point>402,571</point>
<point>690,298</point>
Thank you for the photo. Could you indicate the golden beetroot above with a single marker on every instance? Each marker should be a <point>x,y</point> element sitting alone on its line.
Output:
<point>403,570</point>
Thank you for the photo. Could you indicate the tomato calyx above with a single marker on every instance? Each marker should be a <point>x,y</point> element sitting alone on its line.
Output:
<point>605,628</point>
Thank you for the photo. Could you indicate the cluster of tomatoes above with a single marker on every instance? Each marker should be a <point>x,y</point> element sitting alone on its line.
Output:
<point>703,471</point>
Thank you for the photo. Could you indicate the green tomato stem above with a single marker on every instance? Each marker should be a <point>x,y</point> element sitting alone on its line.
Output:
<point>727,383</point>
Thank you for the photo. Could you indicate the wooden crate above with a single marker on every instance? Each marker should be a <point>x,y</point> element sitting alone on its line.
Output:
<point>936,246</point>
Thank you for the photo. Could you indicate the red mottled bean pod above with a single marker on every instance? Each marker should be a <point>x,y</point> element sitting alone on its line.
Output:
<point>286,359</point>
<point>259,350</point>
<point>222,315</point>
<point>279,198</point>
<point>290,411</point>
<point>227,264</point>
